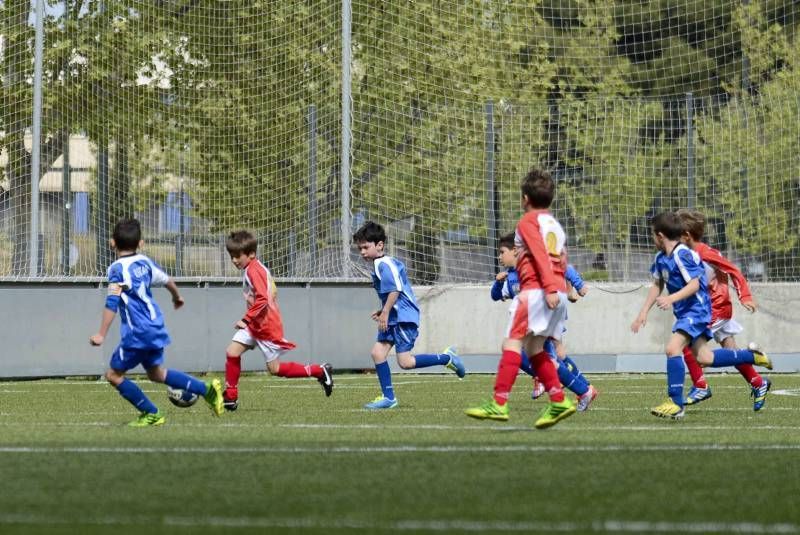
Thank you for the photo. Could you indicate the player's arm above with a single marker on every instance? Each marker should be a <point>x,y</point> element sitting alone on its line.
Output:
<point>113,297</point>
<point>383,314</point>
<point>497,288</point>
<point>531,235</point>
<point>172,288</point>
<point>159,277</point>
<point>260,305</point>
<point>691,288</point>
<point>652,294</point>
<point>738,279</point>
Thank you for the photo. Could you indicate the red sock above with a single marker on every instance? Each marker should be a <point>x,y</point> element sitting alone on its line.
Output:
<point>507,372</point>
<point>695,371</point>
<point>295,369</point>
<point>233,369</point>
<point>750,375</point>
<point>546,372</point>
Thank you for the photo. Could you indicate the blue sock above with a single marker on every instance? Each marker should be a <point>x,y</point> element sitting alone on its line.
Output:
<point>426,359</point>
<point>573,368</point>
<point>184,381</point>
<point>550,347</point>
<point>676,373</point>
<point>131,391</point>
<point>732,357</point>
<point>525,365</point>
<point>385,379</point>
<point>575,383</point>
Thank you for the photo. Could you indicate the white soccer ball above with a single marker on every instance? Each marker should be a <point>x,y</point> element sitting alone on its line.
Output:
<point>181,398</point>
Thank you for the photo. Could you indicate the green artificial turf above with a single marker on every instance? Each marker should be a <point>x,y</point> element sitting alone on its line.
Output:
<point>291,460</point>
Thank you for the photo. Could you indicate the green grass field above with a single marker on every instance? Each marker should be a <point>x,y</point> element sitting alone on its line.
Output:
<point>291,460</point>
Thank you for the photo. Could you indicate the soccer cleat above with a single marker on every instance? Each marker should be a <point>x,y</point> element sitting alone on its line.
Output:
<point>455,363</point>
<point>585,400</point>
<point>230,405</point>
<point>668,409</point>
<point>381,402</point>
<point>759,394</point>
<point>538,389</point>
<point>696,395</point>
<point>326,380</point>
<point>760,358</point>
<point>491,410</point>
<point>214,397</point>
<point>146,419</point>
<point>554,413</point>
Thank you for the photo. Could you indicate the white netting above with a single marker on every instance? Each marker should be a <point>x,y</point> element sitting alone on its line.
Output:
<point>201,117</point>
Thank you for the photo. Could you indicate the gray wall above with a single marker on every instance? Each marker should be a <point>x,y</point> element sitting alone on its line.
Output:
<point>44,328</point>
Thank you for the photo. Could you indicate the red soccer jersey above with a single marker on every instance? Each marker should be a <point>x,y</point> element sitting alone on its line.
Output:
<point>263,317</point>
<point>721,269</point>
<point>541,253</point>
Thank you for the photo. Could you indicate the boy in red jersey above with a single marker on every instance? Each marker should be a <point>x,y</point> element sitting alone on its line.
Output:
<point>261,325</point>
<point>539,309</point>
<point>719,272</point>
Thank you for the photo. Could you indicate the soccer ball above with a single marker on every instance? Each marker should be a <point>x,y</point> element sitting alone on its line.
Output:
<point>181,398</point>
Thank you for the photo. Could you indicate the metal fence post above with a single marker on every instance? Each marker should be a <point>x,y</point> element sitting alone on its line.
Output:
<point>346,133</point>
<point>492,210</point>
<point>690,185</point>
<point>312,189</point>
<point>36,142</point>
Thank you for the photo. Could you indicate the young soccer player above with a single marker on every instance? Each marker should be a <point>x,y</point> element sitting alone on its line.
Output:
<point>719,271</point>
<point>505,287</point>
<point>143,336</point>
<point>539,310</point>
<point>398,317</point>
<point>261,325</point>
<point>679,269</point>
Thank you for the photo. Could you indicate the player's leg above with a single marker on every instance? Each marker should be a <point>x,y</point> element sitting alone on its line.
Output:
<point>571,378</point>
<point>380,353</point>
<point>405,337</point>
<point>759,386</point>
<point>722,357</point>
<point>323,373</point>
<point>210,392</point>
<point>560,407</point>
<point>700,390</point>
<point>241,342</point>
<point>507,370</point>
<point>123,360</point>
<point>676,373</point>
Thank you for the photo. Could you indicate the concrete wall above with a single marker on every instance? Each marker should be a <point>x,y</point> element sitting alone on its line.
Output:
<point>44,329</point>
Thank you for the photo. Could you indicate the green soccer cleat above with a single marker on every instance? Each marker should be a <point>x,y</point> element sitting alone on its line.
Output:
<point>214,397</point>
<point>490,410</point>
<point>554,413</point>
<point>668,409</point>
<point>147,419</point>
<point>760,358</point>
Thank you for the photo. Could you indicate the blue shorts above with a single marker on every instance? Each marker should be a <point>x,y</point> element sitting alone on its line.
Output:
<point>692,329</point>
<point>401,335</point>
<point>128,358</point>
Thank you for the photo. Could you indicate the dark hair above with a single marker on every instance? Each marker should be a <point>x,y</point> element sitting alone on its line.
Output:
<point>668,224</point>
<point>370,232</point>
<point>507,241</point>
<point>539,187</point>
<point>241,241</point>
<point>693,221</point>
<point>127,234</point>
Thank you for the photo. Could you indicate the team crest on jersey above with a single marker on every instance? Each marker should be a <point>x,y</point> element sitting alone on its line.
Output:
<point>664,274</point>
<point>515,288</point>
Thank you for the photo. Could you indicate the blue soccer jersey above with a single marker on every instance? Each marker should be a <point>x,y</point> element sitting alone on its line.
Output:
<point>507,288</point>
<point>390,275</point>
<point>141,321</point>
<point>573,277</point>
<point>677,269</point>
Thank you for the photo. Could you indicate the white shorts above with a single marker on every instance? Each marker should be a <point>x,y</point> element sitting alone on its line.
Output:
<point>722,329</point>
<point>529,313</point>
<point>270,350</point>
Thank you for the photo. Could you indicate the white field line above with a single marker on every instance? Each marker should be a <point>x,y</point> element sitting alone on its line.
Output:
<point>597,526</point>
<point>407,448</point>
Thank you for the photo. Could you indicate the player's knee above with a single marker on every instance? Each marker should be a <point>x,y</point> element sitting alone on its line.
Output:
<point>157,374</point>
<point>273,366</point>
<point>113,377</point>
<point>407,363</point>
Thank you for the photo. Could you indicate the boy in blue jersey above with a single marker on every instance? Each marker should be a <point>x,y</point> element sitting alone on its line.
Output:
<point>143,335</point>
<point>506,286</point>
<point>679,269</point>
<point>398,317</point>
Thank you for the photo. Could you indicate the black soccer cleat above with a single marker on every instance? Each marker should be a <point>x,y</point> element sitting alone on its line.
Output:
<point>230,404</point>
<point>327,379</point>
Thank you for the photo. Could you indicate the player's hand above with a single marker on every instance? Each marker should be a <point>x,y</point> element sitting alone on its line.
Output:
<point>572,296</point>
<point>500,277</point>
<point>96,339</point>
<point>750,305</point>
<point>638,323</point>
<point>240,325</point>
<point>583,291</point>
<point>552,300</point>
<point>663,302</point>
<point>383,321</point>
<point>375,315</point>
<point>178,302</point>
